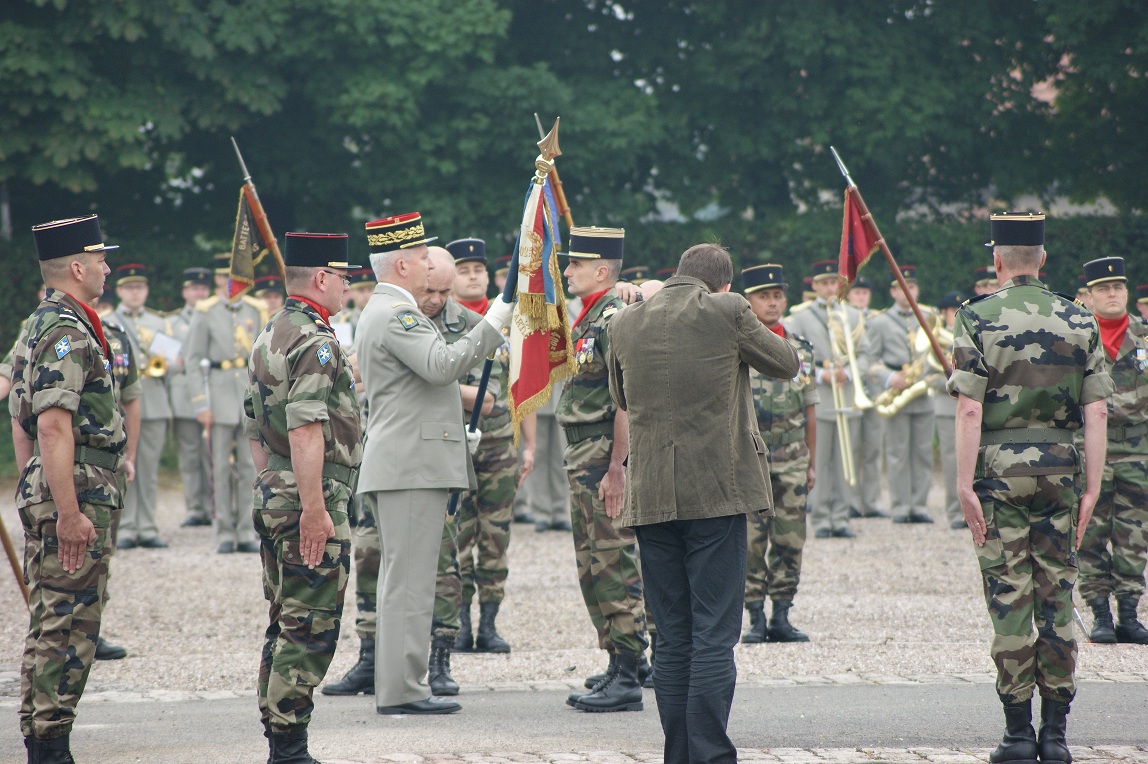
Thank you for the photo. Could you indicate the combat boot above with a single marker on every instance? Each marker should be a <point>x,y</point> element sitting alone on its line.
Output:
<point>361,677</point>
<point>594,681</point>
<point>290,748</point>
<point>648,679</point>
<point>621,692</point>
<point>1102,630</point>
<point>54,750</point>
<point>1053,731</point>
<point>487,639</point>
<point>1129,629</point>
<point>438,670</point>
<point>464,640</point>
<point>1019,743</point>
<point>645,671</point>
<point>756,633</point>
<point>779,629</point>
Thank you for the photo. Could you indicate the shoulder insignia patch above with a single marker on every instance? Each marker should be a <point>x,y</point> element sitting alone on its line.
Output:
<point>401,304</point>
<point>408,320</point>
<point>63,347</point>
<point>324,354</point>
<point>609,311</point>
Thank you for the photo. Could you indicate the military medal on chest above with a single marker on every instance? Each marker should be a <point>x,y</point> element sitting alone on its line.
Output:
<point>584,351</point>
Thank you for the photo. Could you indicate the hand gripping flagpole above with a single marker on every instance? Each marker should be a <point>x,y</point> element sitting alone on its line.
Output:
<point>543,165</point>
<point>896,269</point>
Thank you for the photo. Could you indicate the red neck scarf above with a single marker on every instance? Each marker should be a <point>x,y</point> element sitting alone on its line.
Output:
<point>779,330</point>
<point>97,325</point>
<point>478,306</point>
<point>588,304</point>
<point>323,312</point>
<point>1112,333</point>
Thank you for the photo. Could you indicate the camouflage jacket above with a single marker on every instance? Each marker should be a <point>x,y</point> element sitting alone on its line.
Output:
<point>6,364</point>
<point>586,396</point>
<point>1128,406</point>
<point>125,374</point>
<point>780,406</point>
<point>300,375</point>
<point>455,321</point>
<point>59,363</point>
<point>1033,358</point>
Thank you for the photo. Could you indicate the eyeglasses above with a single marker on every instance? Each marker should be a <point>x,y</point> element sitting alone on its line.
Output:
<point>344,277</point>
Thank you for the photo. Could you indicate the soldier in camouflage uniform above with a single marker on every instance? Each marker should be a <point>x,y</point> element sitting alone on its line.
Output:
<point>1028,368</point>
<point>786,420</point>
<point>302,416</point>
<point>1115,547</point>
<point>597,444</point>
<point>67,423</point>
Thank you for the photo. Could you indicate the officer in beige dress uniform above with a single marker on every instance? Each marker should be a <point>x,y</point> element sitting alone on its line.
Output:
<point>194,461</point>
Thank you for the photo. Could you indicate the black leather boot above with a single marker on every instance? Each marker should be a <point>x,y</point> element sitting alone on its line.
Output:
<point>438,670</point>
<point>648,679</point>
<point>1102,630</point>
<point>645,670</point>
<point>594,681</point>
<point>1053,744</point>
<point>779,629</point>
<point>464,640</point>
<point>1129,629</point>
<point>106,651</point>
<point>487,639</point>
<point>756,633</point>
<point>290,748</point>
<point>621,692</point>
<point>361,677</point>
<point>1018,746</point>
<point>54,750</point>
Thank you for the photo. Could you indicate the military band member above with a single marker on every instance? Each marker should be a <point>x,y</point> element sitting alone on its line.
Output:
<point>218,347</point>
<point>362,287</point>
<point>269,289</point>
<point>872,445</point>
<point>68,434</point>
<point>1083,293</point>
<point>1028,368</point>
<point>221,273</point>
<point>501,271</point>
<point>895,367</point>
<point>787,421</point>
<point>1142,301</point>
<point>1114,551</point>
<point>945,415</point>
<point>142,324</point>
<point>831,497</point>
<point>417,450</point>
<point>985,280</point>
<point>301,414</point>
<point>597,446</point>
<point>194,461</point>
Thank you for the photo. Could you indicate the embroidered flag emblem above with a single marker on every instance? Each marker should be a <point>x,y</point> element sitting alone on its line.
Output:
<point>324,354</point>
<point>63,347</point>
<point>408,320</point>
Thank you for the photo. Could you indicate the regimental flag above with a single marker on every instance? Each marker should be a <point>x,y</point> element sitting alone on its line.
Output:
<point>540,347</point>
<point>247,248</point>
<point>859,240</point>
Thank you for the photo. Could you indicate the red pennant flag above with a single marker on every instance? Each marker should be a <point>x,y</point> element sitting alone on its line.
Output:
<point>859,241</point>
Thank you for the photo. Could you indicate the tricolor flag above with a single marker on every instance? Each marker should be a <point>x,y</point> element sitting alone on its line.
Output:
<point>540,348</point>
<point>859,240</point>
<point>247,248</point>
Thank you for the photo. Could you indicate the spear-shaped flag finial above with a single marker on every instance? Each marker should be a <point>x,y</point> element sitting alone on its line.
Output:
<point>548,151</point>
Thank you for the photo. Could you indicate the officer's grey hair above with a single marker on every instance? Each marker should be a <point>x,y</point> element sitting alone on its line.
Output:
<point>709,263</point>
<point>383,263</point>
<point>298,278</point>
<point>1018,258</point>
<point>613,269</point>
<point>56,269</point>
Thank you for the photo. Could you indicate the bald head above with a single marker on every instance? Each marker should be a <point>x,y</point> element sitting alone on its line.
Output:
<point>440,282</point>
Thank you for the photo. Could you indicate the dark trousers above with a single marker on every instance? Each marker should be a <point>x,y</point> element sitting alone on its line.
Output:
<point>694,574</point>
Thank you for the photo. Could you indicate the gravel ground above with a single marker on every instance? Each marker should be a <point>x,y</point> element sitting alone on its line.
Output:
<point>896,601</point>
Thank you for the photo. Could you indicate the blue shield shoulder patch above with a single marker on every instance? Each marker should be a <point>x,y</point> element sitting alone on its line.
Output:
<point>324,354</point>
<point>408,320</point>
<point>63,347</point>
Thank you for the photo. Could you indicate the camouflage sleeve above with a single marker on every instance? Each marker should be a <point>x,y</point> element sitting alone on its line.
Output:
<point>6,364</point>
<point>312,368</point>
<point>131,390</point>
<point>970,374</point>
<point>617,390</point>
<point>1098,383</point>
<point>809,394</point>
<point>250,425</point>
<point>57,368</point>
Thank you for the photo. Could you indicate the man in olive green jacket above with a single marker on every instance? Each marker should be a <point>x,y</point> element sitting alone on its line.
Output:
<point>678,365</point>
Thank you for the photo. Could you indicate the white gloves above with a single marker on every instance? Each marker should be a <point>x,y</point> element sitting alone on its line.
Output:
<point>499,313</point>
<point>472,439</point>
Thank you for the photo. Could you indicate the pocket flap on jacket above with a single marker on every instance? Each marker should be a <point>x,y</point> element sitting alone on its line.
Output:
<point>442,431</point>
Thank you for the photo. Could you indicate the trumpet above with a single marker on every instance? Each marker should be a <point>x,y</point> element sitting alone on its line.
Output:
<point>154,366</point>
<point>842,337</point>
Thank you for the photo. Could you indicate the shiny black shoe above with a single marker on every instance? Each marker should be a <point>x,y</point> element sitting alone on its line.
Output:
<point>126,542</point>
<point>843,533</point>
<point>959,525</point>
<point>875,513</point>
<point>823,533</point>
<point>919,517</point>
<point>561,525</point>
<point>247,547</point>
<point>853,513</point>
<point>195,522</point>
<point>432,705</point>
<point>106,651</point>
<point>522,517</point>
<point>152,543</point>
<point>226,547</point>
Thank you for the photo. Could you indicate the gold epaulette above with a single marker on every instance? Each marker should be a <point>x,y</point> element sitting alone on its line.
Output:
<point>207,304</point>
<point>800,307</point>
<point>259,305</point>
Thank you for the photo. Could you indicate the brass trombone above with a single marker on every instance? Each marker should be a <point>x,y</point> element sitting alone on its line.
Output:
<point>842,337</point>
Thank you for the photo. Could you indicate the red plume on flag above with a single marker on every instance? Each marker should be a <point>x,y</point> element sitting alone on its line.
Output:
<point>859,240</point>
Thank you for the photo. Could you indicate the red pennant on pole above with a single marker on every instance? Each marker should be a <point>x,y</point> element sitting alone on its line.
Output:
<point>859,241</point>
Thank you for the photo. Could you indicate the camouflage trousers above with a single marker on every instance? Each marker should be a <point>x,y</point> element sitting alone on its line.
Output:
<point>365,541</point>
<point>1114,552</point>
<point>448,584</point>
<point>773,565</point>
<point>1028,568</point>
<point>609,573</point>
<point>65,619</point>
<point>306,608</point>
<point>484,523</point>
